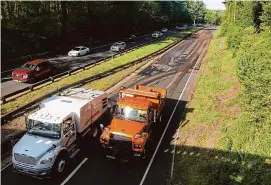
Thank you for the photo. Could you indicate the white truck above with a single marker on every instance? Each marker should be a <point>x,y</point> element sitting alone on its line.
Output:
<point>53,131</point>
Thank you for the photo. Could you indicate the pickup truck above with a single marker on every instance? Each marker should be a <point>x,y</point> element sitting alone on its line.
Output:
<point>134,115</point>
<point>54,130</point>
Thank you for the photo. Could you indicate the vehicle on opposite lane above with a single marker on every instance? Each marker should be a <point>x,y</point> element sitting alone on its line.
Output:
<point>131,38</point>
<point>118,46</point>
<point>157,34</point>
<point>164,30</point>
<point>79,51</point>
<point>33,70</point>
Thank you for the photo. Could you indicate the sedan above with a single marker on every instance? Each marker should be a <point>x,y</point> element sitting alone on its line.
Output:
<point>131,38</point>
<point>157,34</point>
<point>79,51</point>
<point>118,46</point>
<point>164,30</point>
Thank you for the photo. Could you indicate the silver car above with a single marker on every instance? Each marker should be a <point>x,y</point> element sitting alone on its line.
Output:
<point>118,46</point>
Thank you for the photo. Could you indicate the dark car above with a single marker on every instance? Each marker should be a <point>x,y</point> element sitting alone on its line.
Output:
<point>34,70</point>
<point>131,38</point>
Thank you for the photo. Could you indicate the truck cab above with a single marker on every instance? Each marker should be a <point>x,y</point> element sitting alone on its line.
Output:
<point>48,133</point>
<point>134,115</point>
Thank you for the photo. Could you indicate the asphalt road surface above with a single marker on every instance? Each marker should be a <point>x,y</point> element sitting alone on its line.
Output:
<point>66,62</point>
<point>95,169</point>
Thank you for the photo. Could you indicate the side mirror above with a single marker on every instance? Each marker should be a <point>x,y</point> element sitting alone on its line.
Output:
<point>102,126</point>
<point>144,134</point>
<point>25,121</point>
<point>111,110</point>
<point>154,116</point>
<point>72,127</point>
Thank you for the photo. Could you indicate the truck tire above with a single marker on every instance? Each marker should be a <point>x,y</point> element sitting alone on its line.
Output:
<point>59,165</point>
<point>95,132</point>
<point>160,118</point>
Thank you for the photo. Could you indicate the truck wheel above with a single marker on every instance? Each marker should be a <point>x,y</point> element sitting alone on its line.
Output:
<point>160,118</point>
<point>94,132</point>
<point>145,151</point>
<point>59,165</point>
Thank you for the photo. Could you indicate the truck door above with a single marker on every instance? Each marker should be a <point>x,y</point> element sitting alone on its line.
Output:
<point>69,132</point>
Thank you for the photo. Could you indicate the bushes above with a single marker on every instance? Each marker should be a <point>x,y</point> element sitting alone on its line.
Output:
<point>254,71</point>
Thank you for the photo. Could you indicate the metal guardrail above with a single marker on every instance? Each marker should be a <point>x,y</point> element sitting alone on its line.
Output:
<point>52,78</point>
<point>20,110</point>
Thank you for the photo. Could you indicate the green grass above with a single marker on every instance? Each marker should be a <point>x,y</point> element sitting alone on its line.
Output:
<point>127,58</point>
<point>108,81</point>
<point>217,145</point>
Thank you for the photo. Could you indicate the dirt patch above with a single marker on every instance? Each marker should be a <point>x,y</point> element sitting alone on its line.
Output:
<point>12,128</point>
<point>214,133</point>
<point>223,99</point>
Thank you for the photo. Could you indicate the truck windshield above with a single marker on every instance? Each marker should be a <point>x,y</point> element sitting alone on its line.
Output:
<point>130,113</point>
<point>44,129</point>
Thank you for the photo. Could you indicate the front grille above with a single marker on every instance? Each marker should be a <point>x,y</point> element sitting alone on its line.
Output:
<point>121,142</point>
<point>22,158</point>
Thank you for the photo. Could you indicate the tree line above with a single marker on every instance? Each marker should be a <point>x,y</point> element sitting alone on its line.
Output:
<point>42,24</point>
<point>247,27</point>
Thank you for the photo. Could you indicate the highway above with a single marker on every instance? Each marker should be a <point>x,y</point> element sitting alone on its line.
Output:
<point>90,165</point>
<point>66,62</point>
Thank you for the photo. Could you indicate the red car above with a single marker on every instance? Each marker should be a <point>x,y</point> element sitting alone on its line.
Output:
<point>33,70</point>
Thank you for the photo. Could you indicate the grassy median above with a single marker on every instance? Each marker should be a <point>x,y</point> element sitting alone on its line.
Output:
<point>216,144</point>
<point>127,58</point>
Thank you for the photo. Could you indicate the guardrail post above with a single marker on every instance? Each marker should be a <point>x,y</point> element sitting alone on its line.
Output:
<point>3,99</point>
<point>52,79</point>
<point>31,88</point>
<point>70,73</point>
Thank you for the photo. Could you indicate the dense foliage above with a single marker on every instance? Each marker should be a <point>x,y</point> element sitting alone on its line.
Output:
<point>213,16</point>
<point>196,9</point>
<point>50,23</point>
<point>246,26</point>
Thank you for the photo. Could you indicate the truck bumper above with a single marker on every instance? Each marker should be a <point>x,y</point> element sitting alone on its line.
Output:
<point>118,153</point>
<point>36,173</point>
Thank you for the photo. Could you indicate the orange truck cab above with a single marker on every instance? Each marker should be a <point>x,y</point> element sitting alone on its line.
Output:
<point>135,113</point>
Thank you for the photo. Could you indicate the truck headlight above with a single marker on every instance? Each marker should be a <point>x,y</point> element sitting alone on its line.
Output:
<point>105,139</point>
<point>48,160</point>
<point>137,146</point>
<point>25,76</point>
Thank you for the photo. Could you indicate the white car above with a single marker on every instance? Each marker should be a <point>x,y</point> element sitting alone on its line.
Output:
<point>79,51</point>
<point>164,30</point>
<point>118,46</point>
<point>157,34</point>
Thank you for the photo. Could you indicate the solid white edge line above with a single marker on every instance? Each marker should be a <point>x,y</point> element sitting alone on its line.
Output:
<point>6,166</point>
<point>154,154</point>
<point>177,135</point>
<point>74,171</point>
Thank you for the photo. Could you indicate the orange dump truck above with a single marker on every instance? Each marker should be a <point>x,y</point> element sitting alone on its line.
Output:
<point>130,130</point>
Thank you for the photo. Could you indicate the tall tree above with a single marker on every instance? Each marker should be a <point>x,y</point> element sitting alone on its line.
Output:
<point>196,9</point>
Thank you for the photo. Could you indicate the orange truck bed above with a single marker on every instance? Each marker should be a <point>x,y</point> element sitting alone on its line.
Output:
<point>156,95</point>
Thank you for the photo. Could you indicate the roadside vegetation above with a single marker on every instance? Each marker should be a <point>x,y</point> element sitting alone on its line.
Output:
<point>113,63</point>
<point>225,137</point>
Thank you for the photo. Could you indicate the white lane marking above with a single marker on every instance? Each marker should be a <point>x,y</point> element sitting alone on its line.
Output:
<point>177,136</point>
<point>154,154</point>
<point>168,69</point>
<point>74,171</point>
<point>6,166</point>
